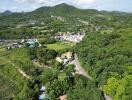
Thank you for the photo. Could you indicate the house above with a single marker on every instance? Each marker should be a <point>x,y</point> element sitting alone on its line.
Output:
<point>14,45</point>
<point>67,55</point>
<point>65,58</point>
<point>32,42</point>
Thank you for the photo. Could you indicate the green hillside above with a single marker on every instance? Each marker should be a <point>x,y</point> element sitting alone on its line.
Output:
<point>63,10</point>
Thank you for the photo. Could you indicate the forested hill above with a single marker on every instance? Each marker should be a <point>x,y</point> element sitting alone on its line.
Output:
<point>64,10</point>
<point>69,10</point>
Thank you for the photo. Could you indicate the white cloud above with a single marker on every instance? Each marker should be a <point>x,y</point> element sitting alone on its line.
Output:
<point>14,8</point>
<point>83,3</point>
<point>26,1</point>
<point>29,5</point>
<point>46,2</point>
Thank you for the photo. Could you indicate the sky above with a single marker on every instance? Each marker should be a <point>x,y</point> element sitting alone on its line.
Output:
<point>30,5</point>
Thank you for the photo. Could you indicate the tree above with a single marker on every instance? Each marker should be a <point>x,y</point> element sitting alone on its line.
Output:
<point>56,88</point>
<point>84,89</point>
<point>57,65</point>
<point>69,69</point>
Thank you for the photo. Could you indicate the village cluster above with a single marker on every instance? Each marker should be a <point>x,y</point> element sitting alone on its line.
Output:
<point>72,38</point>
<point>33,41</point>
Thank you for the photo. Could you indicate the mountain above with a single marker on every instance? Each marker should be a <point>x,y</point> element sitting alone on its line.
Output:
<point>7,12</point>
<point>63,10</point>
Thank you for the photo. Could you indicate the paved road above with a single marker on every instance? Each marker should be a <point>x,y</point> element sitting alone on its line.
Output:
<point>79,69</point>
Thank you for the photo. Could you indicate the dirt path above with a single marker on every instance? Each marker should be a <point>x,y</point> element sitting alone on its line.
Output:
<point>21,71</point>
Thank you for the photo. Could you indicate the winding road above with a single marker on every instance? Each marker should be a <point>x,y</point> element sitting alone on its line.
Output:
<point>79,69</point>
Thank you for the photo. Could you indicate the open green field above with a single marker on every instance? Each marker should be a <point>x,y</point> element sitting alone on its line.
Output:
<point>60,45</point>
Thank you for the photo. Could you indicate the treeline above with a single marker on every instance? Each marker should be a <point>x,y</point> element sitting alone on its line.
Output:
<point>17,33</point>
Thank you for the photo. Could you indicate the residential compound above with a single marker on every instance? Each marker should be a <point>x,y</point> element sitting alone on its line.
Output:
<point>65,58</point>
<point>72,38</point>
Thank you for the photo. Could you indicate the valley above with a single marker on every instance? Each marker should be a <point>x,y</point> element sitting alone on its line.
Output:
<point>65,52</point>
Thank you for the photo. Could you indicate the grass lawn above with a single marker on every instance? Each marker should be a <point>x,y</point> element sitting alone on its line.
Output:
<point>60,45</point>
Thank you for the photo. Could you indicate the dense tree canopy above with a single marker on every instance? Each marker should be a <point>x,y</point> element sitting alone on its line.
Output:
<point>107,58</point>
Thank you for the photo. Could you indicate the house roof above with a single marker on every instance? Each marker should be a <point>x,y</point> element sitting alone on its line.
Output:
<point>59,59</point>
<point>32,41</point>
<point>67,55</point>
<point>31,46</point>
